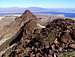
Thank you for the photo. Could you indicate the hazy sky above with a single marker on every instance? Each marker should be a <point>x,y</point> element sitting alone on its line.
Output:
<point>38,3</point>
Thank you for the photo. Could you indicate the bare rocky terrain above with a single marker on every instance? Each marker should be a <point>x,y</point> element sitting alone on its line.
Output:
<point>32,35</point>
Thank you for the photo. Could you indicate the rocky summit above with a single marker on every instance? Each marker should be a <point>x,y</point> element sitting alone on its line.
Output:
<point>55,39</point>
<point>28,23</point>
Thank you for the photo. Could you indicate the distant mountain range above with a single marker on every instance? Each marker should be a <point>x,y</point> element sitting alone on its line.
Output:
<point>36,9</point>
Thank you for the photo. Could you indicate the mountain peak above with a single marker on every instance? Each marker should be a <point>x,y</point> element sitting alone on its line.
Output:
<point>27,12</point>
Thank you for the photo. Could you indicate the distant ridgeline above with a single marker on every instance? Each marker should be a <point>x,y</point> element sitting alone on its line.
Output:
<point>71,15</point>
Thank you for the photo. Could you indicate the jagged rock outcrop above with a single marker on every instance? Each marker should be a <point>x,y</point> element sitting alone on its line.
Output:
<point>29,20</point>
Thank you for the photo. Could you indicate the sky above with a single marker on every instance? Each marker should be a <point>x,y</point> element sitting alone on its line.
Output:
<point>38,3</point>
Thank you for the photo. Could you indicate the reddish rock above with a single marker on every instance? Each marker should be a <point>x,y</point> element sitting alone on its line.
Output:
<point>72,46</point>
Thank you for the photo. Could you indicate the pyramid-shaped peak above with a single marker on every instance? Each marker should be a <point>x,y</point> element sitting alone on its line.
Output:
<point>27,12</point>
